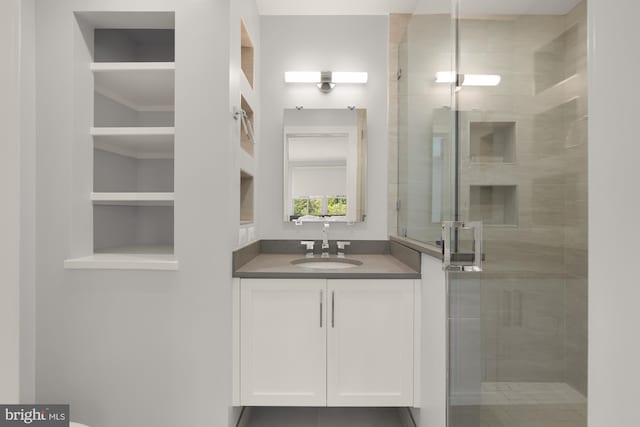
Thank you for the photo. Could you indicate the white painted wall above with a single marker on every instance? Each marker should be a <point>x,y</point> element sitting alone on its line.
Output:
<point>137,348</point>
<point>28,203</point>
<point>336,43</point>
<point>614,207</point>
<point>10,213</point>
<point>431,408</point>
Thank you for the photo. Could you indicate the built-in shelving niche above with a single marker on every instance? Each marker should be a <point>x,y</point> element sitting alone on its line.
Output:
<point>246,129</point>
<point>493,204</point>
<point>133,136</point>
<point>124,229</point>
<point>556,61</point>
<point>114,172</point>
<point>246,53</point>
<point>246,198</point>
<point>492,142</point>
<point>134,45</point>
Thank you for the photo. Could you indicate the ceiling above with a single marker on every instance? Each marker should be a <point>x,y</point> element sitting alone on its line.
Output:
<point>383,7</point>
<point>335,7</point>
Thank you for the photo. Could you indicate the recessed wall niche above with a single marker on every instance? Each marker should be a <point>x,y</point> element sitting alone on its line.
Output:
<point>114,173</point>
<point>246,53</point>
<point>492,142</point>
<point>246,139</point>
<point>246,198</point>
<point>134,77</point>
<point>556,61</point>
<point>134,45</point>
<point>126,229</point>
<point>493,204</point>
<point>125,101</point>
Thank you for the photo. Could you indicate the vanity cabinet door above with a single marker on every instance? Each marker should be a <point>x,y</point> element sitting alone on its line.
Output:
<point>370,343</point>
<point>283,339</point>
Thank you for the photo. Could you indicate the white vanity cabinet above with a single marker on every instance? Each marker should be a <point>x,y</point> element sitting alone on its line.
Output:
<point>283,342</point>
<point>324,342</point>
<point>370,343</point>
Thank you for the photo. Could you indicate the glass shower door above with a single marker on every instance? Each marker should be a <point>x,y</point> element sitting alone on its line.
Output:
<point>518,328</point>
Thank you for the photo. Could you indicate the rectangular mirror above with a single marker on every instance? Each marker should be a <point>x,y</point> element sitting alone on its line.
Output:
<point>325,165</point>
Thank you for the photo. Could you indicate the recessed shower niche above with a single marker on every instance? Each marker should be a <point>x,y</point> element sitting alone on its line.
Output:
<point>556,61</point>
<point>493,204</point>
<point>492,142</point>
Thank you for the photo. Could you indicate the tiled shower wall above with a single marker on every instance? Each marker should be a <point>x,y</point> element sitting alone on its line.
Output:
<point>529,186</point>
<point>575,209</point>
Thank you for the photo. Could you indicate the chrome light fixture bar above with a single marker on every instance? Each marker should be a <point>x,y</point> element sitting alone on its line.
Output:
<point>468,79</point>
<point>326,80</point>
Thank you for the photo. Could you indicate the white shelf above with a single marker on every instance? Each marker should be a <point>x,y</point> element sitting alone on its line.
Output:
<point>142,86</point>
<point>136,142</point>
<point>133,199</point>
<point>130,258</point>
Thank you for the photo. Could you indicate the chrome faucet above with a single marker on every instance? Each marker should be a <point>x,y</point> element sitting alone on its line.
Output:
<point>309,244</point>
<point>341,248</point>
<point>325,240</point>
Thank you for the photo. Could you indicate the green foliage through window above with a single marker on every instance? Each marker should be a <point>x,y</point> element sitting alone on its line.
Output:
<point>337,205</point>
<point>315,206</point>
<point>300,207</point>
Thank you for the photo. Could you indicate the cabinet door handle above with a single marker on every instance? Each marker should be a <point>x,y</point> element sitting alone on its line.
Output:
<point>321,306</point>
<point>333,309</point>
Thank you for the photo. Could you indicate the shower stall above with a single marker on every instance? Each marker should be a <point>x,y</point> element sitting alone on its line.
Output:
<point>492,130</point>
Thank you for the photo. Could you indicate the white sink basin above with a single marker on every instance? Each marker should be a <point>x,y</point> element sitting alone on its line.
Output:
<point>326,263</point>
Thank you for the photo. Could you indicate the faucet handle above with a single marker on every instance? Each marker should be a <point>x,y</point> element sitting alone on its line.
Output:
<point>341,245</point>
<point>309,244</point>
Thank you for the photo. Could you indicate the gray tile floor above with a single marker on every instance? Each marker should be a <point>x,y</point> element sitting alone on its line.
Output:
<point>325,417</point>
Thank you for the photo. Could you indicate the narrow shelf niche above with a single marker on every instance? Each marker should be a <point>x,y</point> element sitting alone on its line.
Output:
<point>493,204</point>
<point>246,140</point>
<point>246,53</point>
<point>556,61</point>
<point>246,198</point>
<point>492,142</point>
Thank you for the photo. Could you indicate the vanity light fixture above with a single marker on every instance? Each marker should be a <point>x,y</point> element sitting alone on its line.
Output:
<point>468,79</point>
<point>326,80</point>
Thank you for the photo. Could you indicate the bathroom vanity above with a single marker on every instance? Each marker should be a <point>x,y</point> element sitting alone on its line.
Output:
<point>325,336</point>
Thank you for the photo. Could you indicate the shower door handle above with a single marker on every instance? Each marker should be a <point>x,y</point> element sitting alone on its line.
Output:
<point>450,258</point>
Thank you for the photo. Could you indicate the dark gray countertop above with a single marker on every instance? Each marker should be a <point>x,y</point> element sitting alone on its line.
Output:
<point>373,267</point>
<point>430,249</point>
<point>388,261</point>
